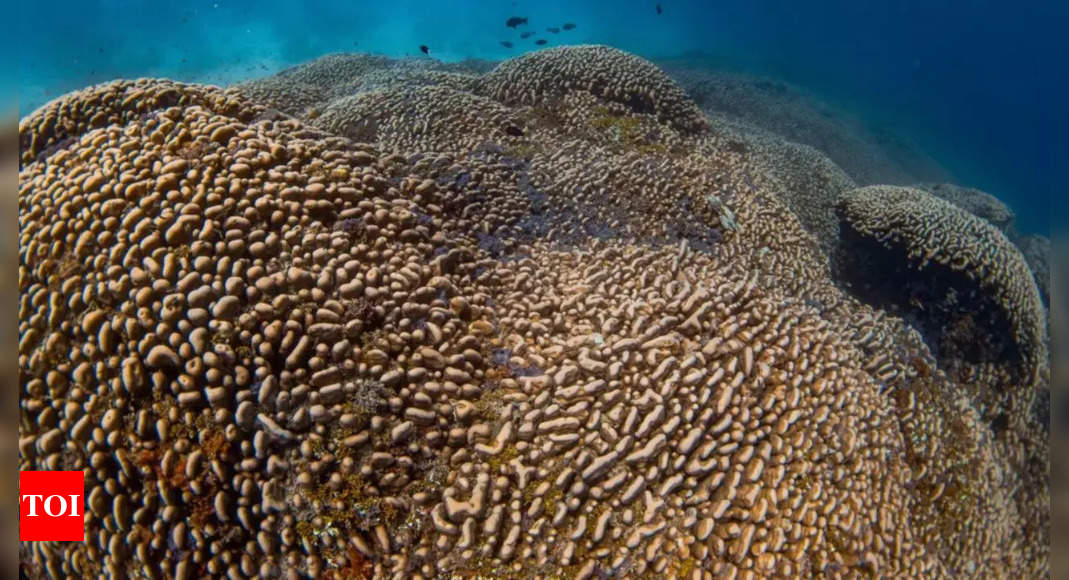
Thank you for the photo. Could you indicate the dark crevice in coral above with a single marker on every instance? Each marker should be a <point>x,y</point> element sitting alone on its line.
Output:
<point>1041,411</point>
<point>959,321</point>
<point>54,148</point>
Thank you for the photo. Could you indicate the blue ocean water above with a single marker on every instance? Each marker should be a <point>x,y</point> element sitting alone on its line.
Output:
<point>977,83</point>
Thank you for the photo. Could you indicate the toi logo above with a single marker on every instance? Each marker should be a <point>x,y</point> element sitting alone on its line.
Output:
<point>51,506</point>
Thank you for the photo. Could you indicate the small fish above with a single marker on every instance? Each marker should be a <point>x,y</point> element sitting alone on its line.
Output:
<point>553,29</point>
<point>515,21</point>
<point>659,10</point>
<point>506,44</point>
<point>527,34</point>
<point>423,48</point>
<point>568,25</point>
<point>540,41</point>
<point>514,131</point>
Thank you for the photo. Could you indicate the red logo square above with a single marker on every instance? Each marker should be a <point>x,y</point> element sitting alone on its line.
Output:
<point>51,506</point>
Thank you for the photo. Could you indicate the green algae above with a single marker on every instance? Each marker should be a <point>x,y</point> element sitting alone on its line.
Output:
<point>626,130</point>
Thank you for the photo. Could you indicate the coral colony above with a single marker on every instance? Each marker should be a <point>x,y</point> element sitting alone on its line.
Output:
<point>410,319</point>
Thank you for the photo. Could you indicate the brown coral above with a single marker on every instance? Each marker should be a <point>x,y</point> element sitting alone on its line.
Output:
<point>215,290</point>
<point>936,236</point>
<point>670,428</point>
<point>603,346</point>
<point>59,124</point>
<point>426,118</point>
<point>308,88</point>
<point>608,73</point>
<point>981,204</point>
<point>971,293</point>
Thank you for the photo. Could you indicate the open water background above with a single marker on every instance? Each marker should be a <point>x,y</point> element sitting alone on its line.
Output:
<point>979,85</point>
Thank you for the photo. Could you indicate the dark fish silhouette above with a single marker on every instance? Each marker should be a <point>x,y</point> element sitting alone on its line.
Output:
<point>568,25</point>
<point>659,9</point>
<point>553,29</point>
<point>423,48</point>
<point>515,21</point>
<point>527,34</point>
<point>514,131</point>
<point>506,44</point>
<point>540,41</point>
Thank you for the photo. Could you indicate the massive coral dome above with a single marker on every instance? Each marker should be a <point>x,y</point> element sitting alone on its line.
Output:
<point>542,321</point>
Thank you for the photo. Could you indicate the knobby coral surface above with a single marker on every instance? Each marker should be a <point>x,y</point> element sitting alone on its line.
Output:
<point>937,235</point>
<point>541,321</point>
<point>981,204</point>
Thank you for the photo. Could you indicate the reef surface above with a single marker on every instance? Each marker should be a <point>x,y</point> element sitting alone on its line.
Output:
<point>396,318</point>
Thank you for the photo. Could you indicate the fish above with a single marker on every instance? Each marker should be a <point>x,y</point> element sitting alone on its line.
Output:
<point>515,21</point>
<point>568,25</point>
<point>527,34</point>
<point>514,131</point>
<point>423,48</point>
<point>506,44</point>
<point>553,29</point>
<point>659,10</point>
<point>540,41</point>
